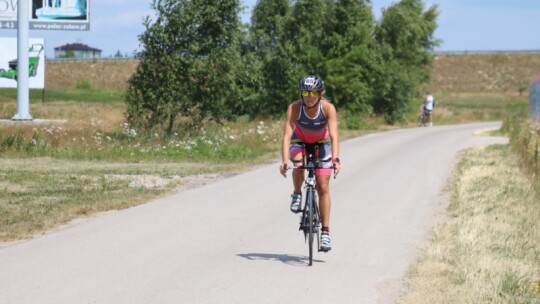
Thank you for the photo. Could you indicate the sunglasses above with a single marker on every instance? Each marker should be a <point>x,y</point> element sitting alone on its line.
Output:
<point>310,93</point>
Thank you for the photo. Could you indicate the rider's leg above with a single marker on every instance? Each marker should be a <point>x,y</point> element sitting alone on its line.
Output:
<point>298,174</point>
<point>298,178</point>
<point>323,183</point>
<point>323,189</point>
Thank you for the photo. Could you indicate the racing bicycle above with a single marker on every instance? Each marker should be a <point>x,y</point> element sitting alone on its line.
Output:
<point>310,221</point>
<point>423,119</point>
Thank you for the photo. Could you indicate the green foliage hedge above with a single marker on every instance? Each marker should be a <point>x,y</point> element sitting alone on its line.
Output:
<point>198,61</point>
<point>525,139</point>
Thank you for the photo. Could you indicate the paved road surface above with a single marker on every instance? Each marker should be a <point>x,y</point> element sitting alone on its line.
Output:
<point>235,241</point>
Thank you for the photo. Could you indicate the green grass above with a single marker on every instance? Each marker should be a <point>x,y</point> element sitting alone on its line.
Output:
<point>488,103</point>
<point>452,109</point>
<point>218,143</point>
<point>82,94</point>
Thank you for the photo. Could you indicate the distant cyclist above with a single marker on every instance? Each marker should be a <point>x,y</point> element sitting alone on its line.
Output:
<point>428,106</point>
<point>312,119</point>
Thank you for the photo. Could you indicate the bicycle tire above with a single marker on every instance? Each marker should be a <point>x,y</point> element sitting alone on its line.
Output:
<point>317,221</point>
<point>422,120</point>
<point>309,203</point>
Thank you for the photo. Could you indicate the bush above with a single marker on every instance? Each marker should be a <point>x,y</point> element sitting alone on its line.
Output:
<point>524,139</point>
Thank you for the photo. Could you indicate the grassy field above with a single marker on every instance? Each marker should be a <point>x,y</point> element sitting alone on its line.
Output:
<point>501,73</point>
<point>487,250</point>
<point>96,146</point>
<point>456,74</point>
<point>40,193</point>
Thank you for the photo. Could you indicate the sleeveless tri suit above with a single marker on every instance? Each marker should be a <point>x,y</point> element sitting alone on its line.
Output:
<point>312,130</point>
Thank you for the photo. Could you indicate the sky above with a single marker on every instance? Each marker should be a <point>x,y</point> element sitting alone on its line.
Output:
<point>463,25</point>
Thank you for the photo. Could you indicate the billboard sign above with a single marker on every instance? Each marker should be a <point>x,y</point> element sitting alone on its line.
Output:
<point>8,63</point>
<point>70,15</point>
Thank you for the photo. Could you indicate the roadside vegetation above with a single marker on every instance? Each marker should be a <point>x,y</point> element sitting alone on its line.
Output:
<point>487,249</point>
<point>525,141</point>
<point>88,159</point>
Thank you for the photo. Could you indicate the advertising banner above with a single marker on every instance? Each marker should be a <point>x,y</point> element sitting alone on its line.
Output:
<point>8,63</point>
<point>69,15</point>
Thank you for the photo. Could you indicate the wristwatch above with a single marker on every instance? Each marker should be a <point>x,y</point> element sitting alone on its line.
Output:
<point>336,160</point>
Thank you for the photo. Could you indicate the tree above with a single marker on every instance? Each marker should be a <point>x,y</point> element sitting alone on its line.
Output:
<point>306,31</point>
<point>189,64</point>
<point>273,54</point>
<point>405,42</point>
<point>351,60</point>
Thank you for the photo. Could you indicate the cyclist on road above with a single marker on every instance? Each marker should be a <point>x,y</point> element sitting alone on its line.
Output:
<point>427,106</point>
<point>312,119</point>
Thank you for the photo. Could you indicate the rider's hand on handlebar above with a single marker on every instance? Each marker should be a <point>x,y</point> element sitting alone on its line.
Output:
<point>337,167</point>
<point>283,169</point>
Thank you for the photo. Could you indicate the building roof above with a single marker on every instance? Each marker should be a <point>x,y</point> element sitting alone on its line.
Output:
<point>76,47</point>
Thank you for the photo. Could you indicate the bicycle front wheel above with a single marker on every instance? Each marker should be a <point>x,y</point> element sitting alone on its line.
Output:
<point>309,203</point>
<point>420,120</point>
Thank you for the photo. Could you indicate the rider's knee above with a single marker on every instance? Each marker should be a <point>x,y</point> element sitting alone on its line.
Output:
<point>323,189</point>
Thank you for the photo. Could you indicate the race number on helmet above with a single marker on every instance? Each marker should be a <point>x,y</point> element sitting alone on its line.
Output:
<point>312,83</point>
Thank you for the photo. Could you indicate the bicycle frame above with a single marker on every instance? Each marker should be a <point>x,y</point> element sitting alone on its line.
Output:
<point>310,218</point>
<point>423,119</point>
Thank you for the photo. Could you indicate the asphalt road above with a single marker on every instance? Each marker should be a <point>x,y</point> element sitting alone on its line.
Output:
<point>235,240</point>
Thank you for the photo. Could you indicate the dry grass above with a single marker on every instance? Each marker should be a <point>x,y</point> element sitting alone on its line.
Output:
<point>39,194</point>
<point>488,251</point>
<point>462,73</point>
<point>64,124</point>
<point>79,115</point>
<point>102,74</point>
<point>484,73</point>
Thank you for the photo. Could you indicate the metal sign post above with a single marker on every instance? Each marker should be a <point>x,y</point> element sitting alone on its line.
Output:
<point>23,95</point>
<point>24,15</point>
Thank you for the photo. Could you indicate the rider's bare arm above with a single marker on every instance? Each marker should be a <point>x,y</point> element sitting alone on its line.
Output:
<point>287,134</point>
<point>331,116</point>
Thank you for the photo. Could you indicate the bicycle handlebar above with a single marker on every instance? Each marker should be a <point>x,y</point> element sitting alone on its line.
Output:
<point>311,167</point>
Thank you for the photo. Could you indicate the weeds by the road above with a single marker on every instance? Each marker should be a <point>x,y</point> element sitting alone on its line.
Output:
<point>525,141</point>
<point>97,131</point>
<point>488,250</point>
<point>37,194</point>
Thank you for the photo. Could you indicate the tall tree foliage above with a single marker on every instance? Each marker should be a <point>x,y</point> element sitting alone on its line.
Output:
<point>198,61</point>
<point>189,65</point>
<point>405,40</point>
<point>273,53</point>
<point>351,60</point>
